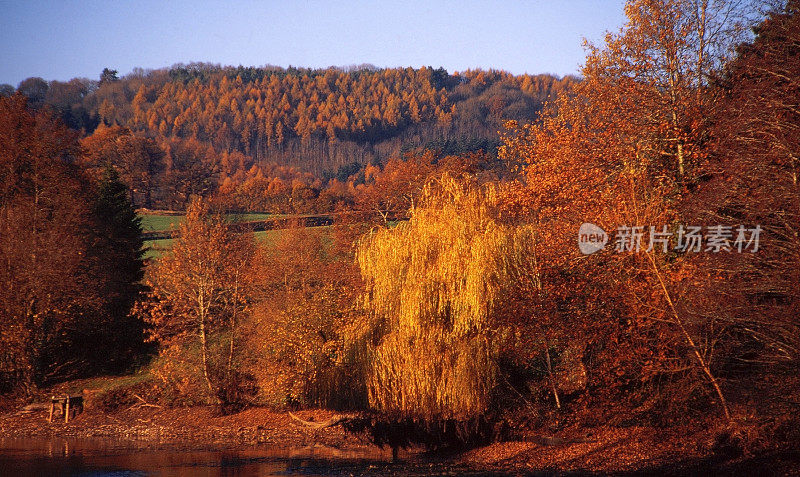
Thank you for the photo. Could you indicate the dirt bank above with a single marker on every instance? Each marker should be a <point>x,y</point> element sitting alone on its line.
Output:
<point>196,425</point>
<point>631,450</point>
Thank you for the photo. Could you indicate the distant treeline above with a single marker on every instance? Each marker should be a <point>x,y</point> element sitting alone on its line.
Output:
<point>204,123</point>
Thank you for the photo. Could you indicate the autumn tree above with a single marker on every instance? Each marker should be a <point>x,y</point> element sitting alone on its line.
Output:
<point>190,169</point>
<point>392,190</point>
<point>599,155</point>
<point>432,286</point>
<point>312,120</point>
<point>199,294</point>
<point>653,75</point>
<point>137,160</point>
<point>45,222</point>
<point>298,340</point>
<point>753,178</point>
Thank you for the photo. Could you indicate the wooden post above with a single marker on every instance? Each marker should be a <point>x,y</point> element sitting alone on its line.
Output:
<point>52,408</point>
<point>66,412</point>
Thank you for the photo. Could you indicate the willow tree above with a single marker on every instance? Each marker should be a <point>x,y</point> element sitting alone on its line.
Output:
<point>431,284</point>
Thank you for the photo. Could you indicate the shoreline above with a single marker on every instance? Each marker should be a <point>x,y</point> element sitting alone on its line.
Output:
<point>199,425</point>
<point>631,450</point>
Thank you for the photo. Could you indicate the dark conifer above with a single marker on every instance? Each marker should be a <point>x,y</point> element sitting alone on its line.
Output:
<point>119,251</point>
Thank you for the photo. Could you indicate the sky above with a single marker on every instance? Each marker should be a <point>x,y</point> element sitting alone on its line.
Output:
<point>63,39</point>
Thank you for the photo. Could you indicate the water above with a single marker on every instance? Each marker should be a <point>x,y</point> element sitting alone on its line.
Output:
<point>108,458</point>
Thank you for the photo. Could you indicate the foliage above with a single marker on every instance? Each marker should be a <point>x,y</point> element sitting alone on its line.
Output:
<point>66,280</point>
<point>753,178</point>
<point>268,112</point>
<point>631,147</point>
<point>467,307</point>
<point>263,136</point>
<point>297,343</point>
<point>432,284</point>
<point>653,76</point>
<point>117,250</point>
<point>136,160</point>
<point>44,207</point>
<point>200,292</point>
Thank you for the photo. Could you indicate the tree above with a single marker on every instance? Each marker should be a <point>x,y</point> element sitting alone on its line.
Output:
<point>299,326</point>
<point>599,155</point>
<point>190,169</point>
<point>35,89</point>
<point>67,99</point>
<point>118,249</point>
<point>108,76</point>
<point>199,292</point>
<point>432,284</point>
<point>138,160</point>
<point>48,293</point>
<point>754,179</point>
<point>393,190</point>
<point>654,74</point>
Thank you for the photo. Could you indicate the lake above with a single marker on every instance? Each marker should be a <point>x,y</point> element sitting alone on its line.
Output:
<point>103,457</point>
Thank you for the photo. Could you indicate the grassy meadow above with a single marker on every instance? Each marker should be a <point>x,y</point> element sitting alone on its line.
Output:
<point>163,222</point>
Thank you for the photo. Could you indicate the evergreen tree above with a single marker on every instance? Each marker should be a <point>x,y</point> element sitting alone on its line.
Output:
<point>119,252</point>
<point>108,76</point>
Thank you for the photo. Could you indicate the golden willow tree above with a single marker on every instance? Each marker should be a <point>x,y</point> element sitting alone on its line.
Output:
<point>431,286</point>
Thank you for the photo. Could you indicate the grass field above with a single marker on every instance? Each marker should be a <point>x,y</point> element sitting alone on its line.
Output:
<point>164,222</point>
<point>161,222</point>
<point>157,248</point>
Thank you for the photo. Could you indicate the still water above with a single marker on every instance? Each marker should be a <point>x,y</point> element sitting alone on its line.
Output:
<point>101,458</point>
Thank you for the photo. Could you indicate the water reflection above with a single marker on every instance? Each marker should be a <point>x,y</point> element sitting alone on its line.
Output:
<point>101,457</point>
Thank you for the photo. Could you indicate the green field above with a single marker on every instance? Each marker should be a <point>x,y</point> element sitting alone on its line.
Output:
<point>155,222</point>
<point>157,248</point>
<point>165,222</point>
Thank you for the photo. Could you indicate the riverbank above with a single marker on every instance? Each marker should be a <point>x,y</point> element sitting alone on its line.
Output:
<point>200,426</point>
<point>630,450</point>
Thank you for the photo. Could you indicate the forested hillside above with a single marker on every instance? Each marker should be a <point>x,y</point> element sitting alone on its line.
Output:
<point>196,127</point>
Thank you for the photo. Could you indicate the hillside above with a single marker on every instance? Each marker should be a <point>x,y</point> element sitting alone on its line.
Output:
<point>314,116</point>
<point>204,123</point>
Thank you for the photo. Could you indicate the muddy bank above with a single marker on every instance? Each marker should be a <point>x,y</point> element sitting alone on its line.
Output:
<point>630,450</point>
<point>195,426</point>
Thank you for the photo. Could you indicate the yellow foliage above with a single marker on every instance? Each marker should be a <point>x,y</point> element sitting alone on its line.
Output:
<point>431,284</point>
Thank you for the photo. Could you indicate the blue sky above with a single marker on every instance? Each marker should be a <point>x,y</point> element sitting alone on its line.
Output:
<point>59,40</point>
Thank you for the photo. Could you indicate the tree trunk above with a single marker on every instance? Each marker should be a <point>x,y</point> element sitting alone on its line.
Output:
<point>700,360</point>
<point>204,344</point>
<point>550,375</point>
<point>233,320</point>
